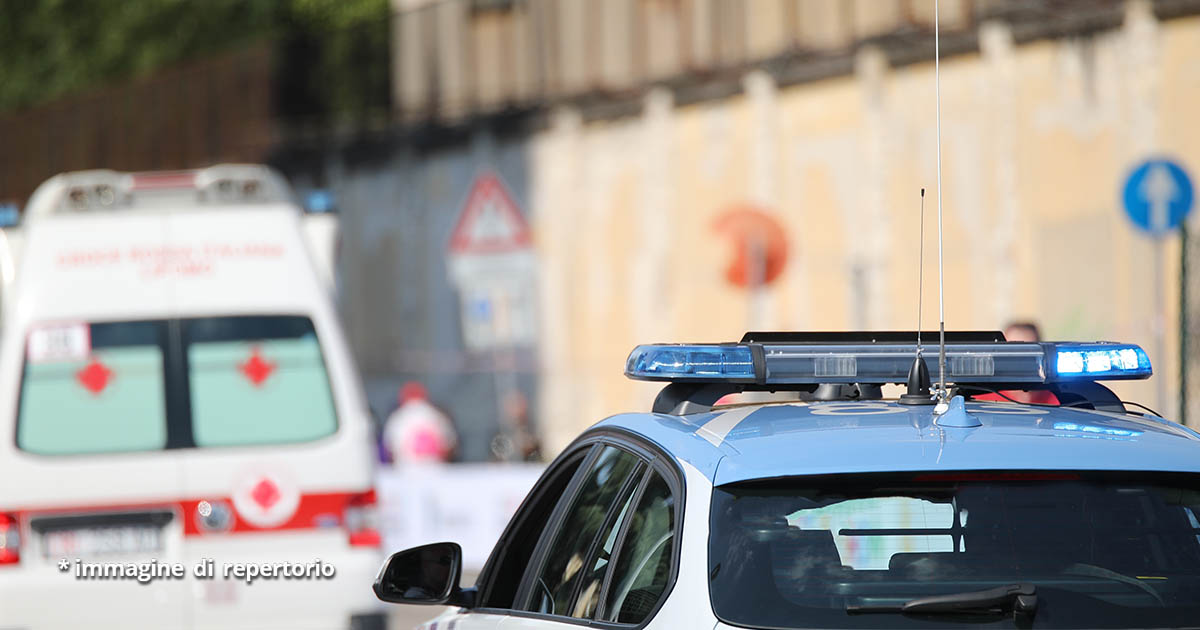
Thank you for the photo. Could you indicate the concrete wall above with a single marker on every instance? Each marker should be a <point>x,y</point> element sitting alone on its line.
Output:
<point>1037,140</point>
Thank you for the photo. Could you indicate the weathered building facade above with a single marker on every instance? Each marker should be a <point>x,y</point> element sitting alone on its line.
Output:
<point>821,115</point>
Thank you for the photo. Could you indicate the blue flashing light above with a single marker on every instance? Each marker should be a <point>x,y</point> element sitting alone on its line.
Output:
<point>319,201</point>
<point>1101,361</point>
<point>691,362</point>
<point>10,214</point>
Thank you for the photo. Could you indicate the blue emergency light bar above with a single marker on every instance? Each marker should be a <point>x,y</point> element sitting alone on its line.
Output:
<point>792,363</point>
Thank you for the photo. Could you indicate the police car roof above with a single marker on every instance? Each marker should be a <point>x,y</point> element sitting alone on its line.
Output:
<point>741,443</point>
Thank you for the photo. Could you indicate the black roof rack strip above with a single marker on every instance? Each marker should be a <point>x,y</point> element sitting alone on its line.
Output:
<point>876,336</point>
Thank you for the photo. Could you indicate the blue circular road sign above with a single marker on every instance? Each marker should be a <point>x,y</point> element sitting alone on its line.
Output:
<point>1158,196</point>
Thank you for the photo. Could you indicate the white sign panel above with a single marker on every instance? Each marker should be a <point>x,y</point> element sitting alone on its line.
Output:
<point>491,261</point>
<point>469,504</point>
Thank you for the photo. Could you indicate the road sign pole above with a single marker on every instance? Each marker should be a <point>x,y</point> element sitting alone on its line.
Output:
<point>1159,325</point>
<point>757,281</point>
<point>1158,197</point>
<point>1183,321</point>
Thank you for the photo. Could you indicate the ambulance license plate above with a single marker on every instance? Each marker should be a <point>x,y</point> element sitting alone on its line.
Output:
<point>101,541</point>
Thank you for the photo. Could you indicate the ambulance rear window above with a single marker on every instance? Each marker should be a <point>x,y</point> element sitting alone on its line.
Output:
<point>257,380</point>
<point>114,387</point>
<point>93,389</point>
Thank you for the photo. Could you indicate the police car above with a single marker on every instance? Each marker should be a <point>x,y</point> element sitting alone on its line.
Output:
<point>840,509</point>
<point>180,395</point>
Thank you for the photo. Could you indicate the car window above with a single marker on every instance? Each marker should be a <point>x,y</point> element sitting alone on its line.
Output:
<point>643,562</point>
<point>93,388</point>
<point>257,380</point>
<point>597,565</point>
<point>554,585</point>
<point>1103,550</point>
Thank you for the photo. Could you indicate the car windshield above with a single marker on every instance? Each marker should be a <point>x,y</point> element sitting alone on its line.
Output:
<point>1102,550</point>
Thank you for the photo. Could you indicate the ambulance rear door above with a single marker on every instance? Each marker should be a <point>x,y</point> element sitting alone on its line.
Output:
<point>88,462</point>
<point>282,451</point>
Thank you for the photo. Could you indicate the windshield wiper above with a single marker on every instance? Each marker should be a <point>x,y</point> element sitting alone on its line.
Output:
<point>1019,598</point>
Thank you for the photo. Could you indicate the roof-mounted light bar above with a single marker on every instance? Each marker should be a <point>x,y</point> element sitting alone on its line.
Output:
<point>101,190</point>
<point>815,362</point>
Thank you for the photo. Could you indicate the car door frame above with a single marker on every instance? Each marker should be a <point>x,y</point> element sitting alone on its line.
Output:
<point>652,457</point>
<point>586,453</point>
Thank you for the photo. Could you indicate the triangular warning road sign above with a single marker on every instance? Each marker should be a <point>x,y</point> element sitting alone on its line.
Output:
<point>490,222</point>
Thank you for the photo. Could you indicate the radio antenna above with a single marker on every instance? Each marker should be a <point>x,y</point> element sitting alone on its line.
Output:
<point>937,88</point>
<point>920,271</point>
<point>918,374</point>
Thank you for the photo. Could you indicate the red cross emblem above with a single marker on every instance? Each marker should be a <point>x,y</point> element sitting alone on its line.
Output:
<point>95,377</point>
<point>256,369</point>
<point>265,494</point>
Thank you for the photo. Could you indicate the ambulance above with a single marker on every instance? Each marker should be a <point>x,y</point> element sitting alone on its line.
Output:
<point>186,443</point>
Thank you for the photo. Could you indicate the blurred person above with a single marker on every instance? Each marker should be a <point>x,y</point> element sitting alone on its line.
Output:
<point>417,432</point>
<point>1025,332</point>
<point>516,441</point>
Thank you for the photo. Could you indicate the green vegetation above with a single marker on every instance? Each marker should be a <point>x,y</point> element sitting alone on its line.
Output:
<point>332,54</point>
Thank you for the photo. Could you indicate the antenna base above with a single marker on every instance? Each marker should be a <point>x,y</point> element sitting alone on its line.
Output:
<point>955,415</point>
<point>916,399</point>
<point>918,385</point>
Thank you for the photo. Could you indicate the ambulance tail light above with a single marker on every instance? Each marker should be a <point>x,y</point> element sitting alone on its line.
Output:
<point>10,540</point>
<point>362,520</point>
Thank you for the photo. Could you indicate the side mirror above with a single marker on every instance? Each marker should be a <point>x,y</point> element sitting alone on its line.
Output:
<point>427,575</point>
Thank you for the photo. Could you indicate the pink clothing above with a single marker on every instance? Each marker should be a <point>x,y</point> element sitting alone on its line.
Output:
<point>417,432</point>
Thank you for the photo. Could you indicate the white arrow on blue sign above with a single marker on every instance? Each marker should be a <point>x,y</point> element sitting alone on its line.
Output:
<point>1158,196</point>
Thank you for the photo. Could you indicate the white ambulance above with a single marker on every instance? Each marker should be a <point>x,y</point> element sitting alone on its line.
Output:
<point>180,396</point>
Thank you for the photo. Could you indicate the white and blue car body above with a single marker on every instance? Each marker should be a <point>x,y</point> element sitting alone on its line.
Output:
<point>841,509</point>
